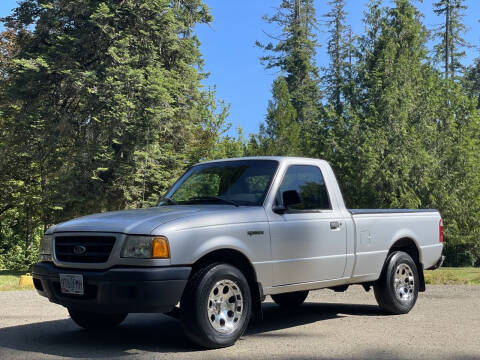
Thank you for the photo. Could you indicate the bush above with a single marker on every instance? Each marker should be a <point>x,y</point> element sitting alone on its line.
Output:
<point>462,255</point>
<point>19,258</point>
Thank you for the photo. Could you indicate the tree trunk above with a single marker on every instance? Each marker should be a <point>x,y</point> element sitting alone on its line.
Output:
<point>447,37</point>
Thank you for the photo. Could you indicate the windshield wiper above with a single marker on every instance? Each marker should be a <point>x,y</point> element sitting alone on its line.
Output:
<point>170,200</point>
<point>215,198</point>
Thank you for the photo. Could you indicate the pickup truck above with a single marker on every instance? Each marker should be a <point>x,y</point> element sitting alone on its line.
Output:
<point>227,234</point>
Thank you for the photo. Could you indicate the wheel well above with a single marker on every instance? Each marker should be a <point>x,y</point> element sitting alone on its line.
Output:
<point>240,261</point>
<point>408,245</point>
<point>229,256</point>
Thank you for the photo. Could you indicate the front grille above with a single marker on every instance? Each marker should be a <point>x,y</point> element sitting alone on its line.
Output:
<point>84,249</point>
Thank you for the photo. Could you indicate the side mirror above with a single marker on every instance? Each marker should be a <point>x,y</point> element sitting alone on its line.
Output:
<point>279,209</point>
<point>291,197</point>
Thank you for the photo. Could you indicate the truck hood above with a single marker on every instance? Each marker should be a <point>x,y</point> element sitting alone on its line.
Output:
<point>140,221</point>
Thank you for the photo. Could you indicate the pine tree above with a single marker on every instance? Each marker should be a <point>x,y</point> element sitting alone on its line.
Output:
<point>340,50</point>
<point>450,49</point>
<point>396,128</point>
<point>457,148</point>
<point>472,81</point>
<point>230,147</point>
<point>103,106</point>
<point>418,133</point>
<point>338,115</point>
<point>8,47</point>
<point>294,53</point>
<point>281,136</point>
<point>455,186</point>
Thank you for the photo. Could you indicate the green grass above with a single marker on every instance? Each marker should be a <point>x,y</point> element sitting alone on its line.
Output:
<point>453,276</point>
<point>9,280</point>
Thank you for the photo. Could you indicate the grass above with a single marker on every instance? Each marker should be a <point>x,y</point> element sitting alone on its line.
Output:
<point>453,276</point>
<point>9,280</point>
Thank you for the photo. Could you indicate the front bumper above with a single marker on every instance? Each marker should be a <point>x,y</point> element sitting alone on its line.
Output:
<point>117,290</point>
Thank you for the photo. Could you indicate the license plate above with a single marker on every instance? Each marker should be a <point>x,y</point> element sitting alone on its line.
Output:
<point>71,284</point>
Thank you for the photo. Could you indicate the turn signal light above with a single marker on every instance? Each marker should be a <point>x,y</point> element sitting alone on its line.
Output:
<point>160,248</point>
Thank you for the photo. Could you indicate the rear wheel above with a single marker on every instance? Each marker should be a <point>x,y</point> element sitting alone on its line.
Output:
<point>291,299</point>
<point>96,321</point>
<point>216,306</point>
<point>397,290</point>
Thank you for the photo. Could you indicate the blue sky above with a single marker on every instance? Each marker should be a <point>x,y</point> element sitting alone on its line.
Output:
<point>232,59</point>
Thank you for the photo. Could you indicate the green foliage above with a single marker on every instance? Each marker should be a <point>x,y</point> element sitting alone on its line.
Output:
<point>19,257</point>
<point>449,50</point>
<point>396,166</point>
<point>101,108</point>
<point>16,252</point>
<point>293,53</point>
<point>281,135</point>
<point>398,133</point>
<point>472,81</point>
<point>340,50</point>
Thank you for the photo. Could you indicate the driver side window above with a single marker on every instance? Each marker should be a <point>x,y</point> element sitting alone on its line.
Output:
<point>308,182</point>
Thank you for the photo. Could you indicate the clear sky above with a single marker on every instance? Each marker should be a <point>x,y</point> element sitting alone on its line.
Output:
<point>232,59</point>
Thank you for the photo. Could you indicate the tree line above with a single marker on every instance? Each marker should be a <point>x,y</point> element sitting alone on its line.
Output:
<point>102,107</point>
<point>398,121</point>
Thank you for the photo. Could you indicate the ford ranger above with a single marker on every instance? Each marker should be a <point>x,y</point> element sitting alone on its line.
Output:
<point>227,234</point>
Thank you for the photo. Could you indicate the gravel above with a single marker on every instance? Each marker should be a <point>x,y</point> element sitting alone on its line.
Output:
<point>445,324</point>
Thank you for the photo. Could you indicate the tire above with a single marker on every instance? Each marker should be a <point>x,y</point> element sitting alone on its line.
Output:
<point>397,289</point>
<point>216,306</point>
<point>96,321</point>
<point>291,299</point>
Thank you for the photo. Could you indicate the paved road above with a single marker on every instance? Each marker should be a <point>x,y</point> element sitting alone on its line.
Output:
<point>445,324</point>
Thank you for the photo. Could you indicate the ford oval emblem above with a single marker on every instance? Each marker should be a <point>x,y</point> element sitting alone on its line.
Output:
<point>79,250</point>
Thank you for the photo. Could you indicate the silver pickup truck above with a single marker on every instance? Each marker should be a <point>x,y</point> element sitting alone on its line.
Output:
<point>226,235</point>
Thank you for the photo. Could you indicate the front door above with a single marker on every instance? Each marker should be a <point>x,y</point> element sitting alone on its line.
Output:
<point>309,240</point>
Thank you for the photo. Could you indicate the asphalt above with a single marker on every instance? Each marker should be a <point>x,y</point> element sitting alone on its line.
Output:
<point>445,324</point>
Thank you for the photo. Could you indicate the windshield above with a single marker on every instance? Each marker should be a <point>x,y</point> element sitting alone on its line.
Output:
<point>242,182</point>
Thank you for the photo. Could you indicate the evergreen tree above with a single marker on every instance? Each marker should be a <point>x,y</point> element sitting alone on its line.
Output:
<point>458,148</point>
<point>102,106</point>
<point>455,184</point>
<point>396,129</point>
<point>339,49</point>
<point>293,52</point>
<point>8,47</point>
<point>472,81</point>
<point>281,135</point>
<point>338,115</point>
<point>450,49</point>
<point>230,147</point>
<point>418,133</point>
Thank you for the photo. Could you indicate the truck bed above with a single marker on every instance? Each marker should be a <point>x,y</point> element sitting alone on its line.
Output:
<point>376,230</point>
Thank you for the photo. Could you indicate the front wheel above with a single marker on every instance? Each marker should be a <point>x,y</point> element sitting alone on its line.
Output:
<point>96,321</point>
<point>397,290</point>
<point>216,306</point>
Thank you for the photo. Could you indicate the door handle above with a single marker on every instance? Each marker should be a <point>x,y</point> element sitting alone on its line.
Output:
<point>334,225</point>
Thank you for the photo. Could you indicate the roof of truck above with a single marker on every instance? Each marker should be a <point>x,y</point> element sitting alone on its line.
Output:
<point>277,158</point>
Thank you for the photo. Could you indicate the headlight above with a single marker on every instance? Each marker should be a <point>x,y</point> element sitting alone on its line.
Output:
<point>146,247</point>
<point>46,248</point>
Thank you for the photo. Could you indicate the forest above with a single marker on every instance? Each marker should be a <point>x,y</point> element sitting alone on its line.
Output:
<point>102,107</point>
